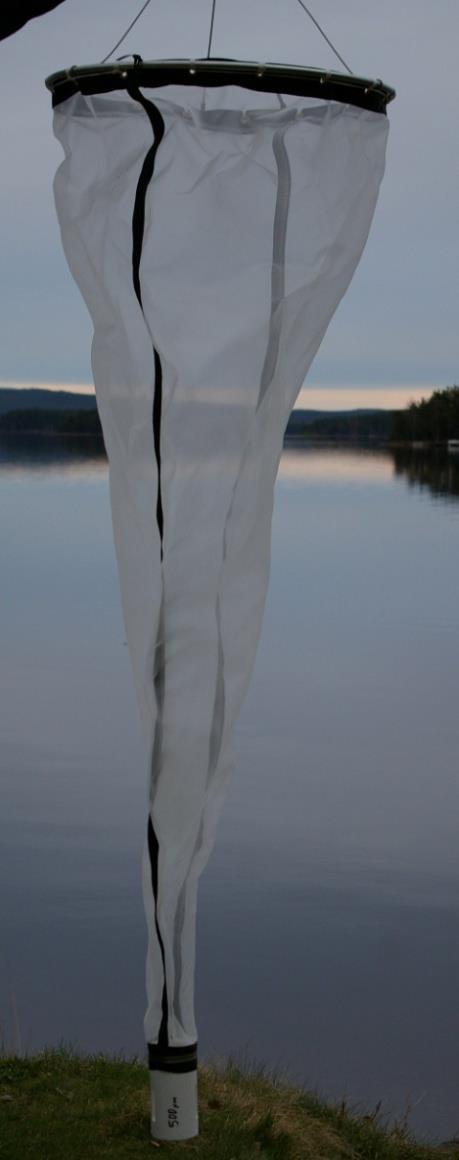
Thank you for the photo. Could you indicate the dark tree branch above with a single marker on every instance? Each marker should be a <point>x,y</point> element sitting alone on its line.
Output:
<point>14,15</point>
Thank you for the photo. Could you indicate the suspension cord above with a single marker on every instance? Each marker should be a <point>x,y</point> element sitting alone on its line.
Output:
<point>322,33</point>
<point>211,32</point>
<point>125,34</point>
<point>211,29</point>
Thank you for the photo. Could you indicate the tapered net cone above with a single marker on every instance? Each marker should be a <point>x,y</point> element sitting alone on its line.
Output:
<point>212,233</point>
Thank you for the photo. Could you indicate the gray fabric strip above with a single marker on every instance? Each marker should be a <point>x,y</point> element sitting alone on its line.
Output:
<point>284,185</point>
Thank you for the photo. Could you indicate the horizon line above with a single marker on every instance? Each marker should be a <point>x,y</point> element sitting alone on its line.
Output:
<point>345,396</point>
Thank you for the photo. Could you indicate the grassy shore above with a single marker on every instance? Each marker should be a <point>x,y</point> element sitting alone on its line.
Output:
<point>58,1106</point>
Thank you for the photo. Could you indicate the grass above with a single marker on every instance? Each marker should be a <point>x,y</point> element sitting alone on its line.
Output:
<point>60,1106</point>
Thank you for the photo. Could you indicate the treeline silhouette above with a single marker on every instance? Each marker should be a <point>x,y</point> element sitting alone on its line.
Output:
<point>434,420</point>
<point>49,422</point>
<point>355,426</point>
<point>432,423</point>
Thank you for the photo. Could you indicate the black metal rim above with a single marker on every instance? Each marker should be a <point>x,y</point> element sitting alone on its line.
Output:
<point>289,79</point>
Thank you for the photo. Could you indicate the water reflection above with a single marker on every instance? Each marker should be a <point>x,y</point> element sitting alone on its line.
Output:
<point>69,455</point>
<point>434,470</point>
<point>308,461</point>
<point>425,469</point>
<point>328,934</point>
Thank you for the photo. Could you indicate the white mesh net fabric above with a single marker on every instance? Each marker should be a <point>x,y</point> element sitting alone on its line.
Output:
<point>242,216</point>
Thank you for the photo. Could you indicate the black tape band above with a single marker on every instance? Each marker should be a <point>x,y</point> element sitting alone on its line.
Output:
<point>176,1059</point>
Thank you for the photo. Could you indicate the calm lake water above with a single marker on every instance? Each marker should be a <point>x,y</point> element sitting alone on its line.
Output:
<point>328,933</point>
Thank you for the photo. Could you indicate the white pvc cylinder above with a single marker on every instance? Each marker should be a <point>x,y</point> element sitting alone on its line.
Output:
<point>174,1105</point>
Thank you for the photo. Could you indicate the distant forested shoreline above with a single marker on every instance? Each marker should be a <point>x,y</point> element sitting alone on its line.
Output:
<point>40,421</point>
<point>431,421</point>
<point>434,420</point>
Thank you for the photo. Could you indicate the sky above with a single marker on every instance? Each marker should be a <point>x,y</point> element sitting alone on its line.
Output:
<point>395,334</point>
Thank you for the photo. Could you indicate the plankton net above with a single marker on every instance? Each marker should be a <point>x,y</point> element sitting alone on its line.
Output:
<point>212,214</point>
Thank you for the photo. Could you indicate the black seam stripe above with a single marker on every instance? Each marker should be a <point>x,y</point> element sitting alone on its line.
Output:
<point>146,174</point>
<point>157,412</point>
<point>153,850</point>
<point>138,228</point>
